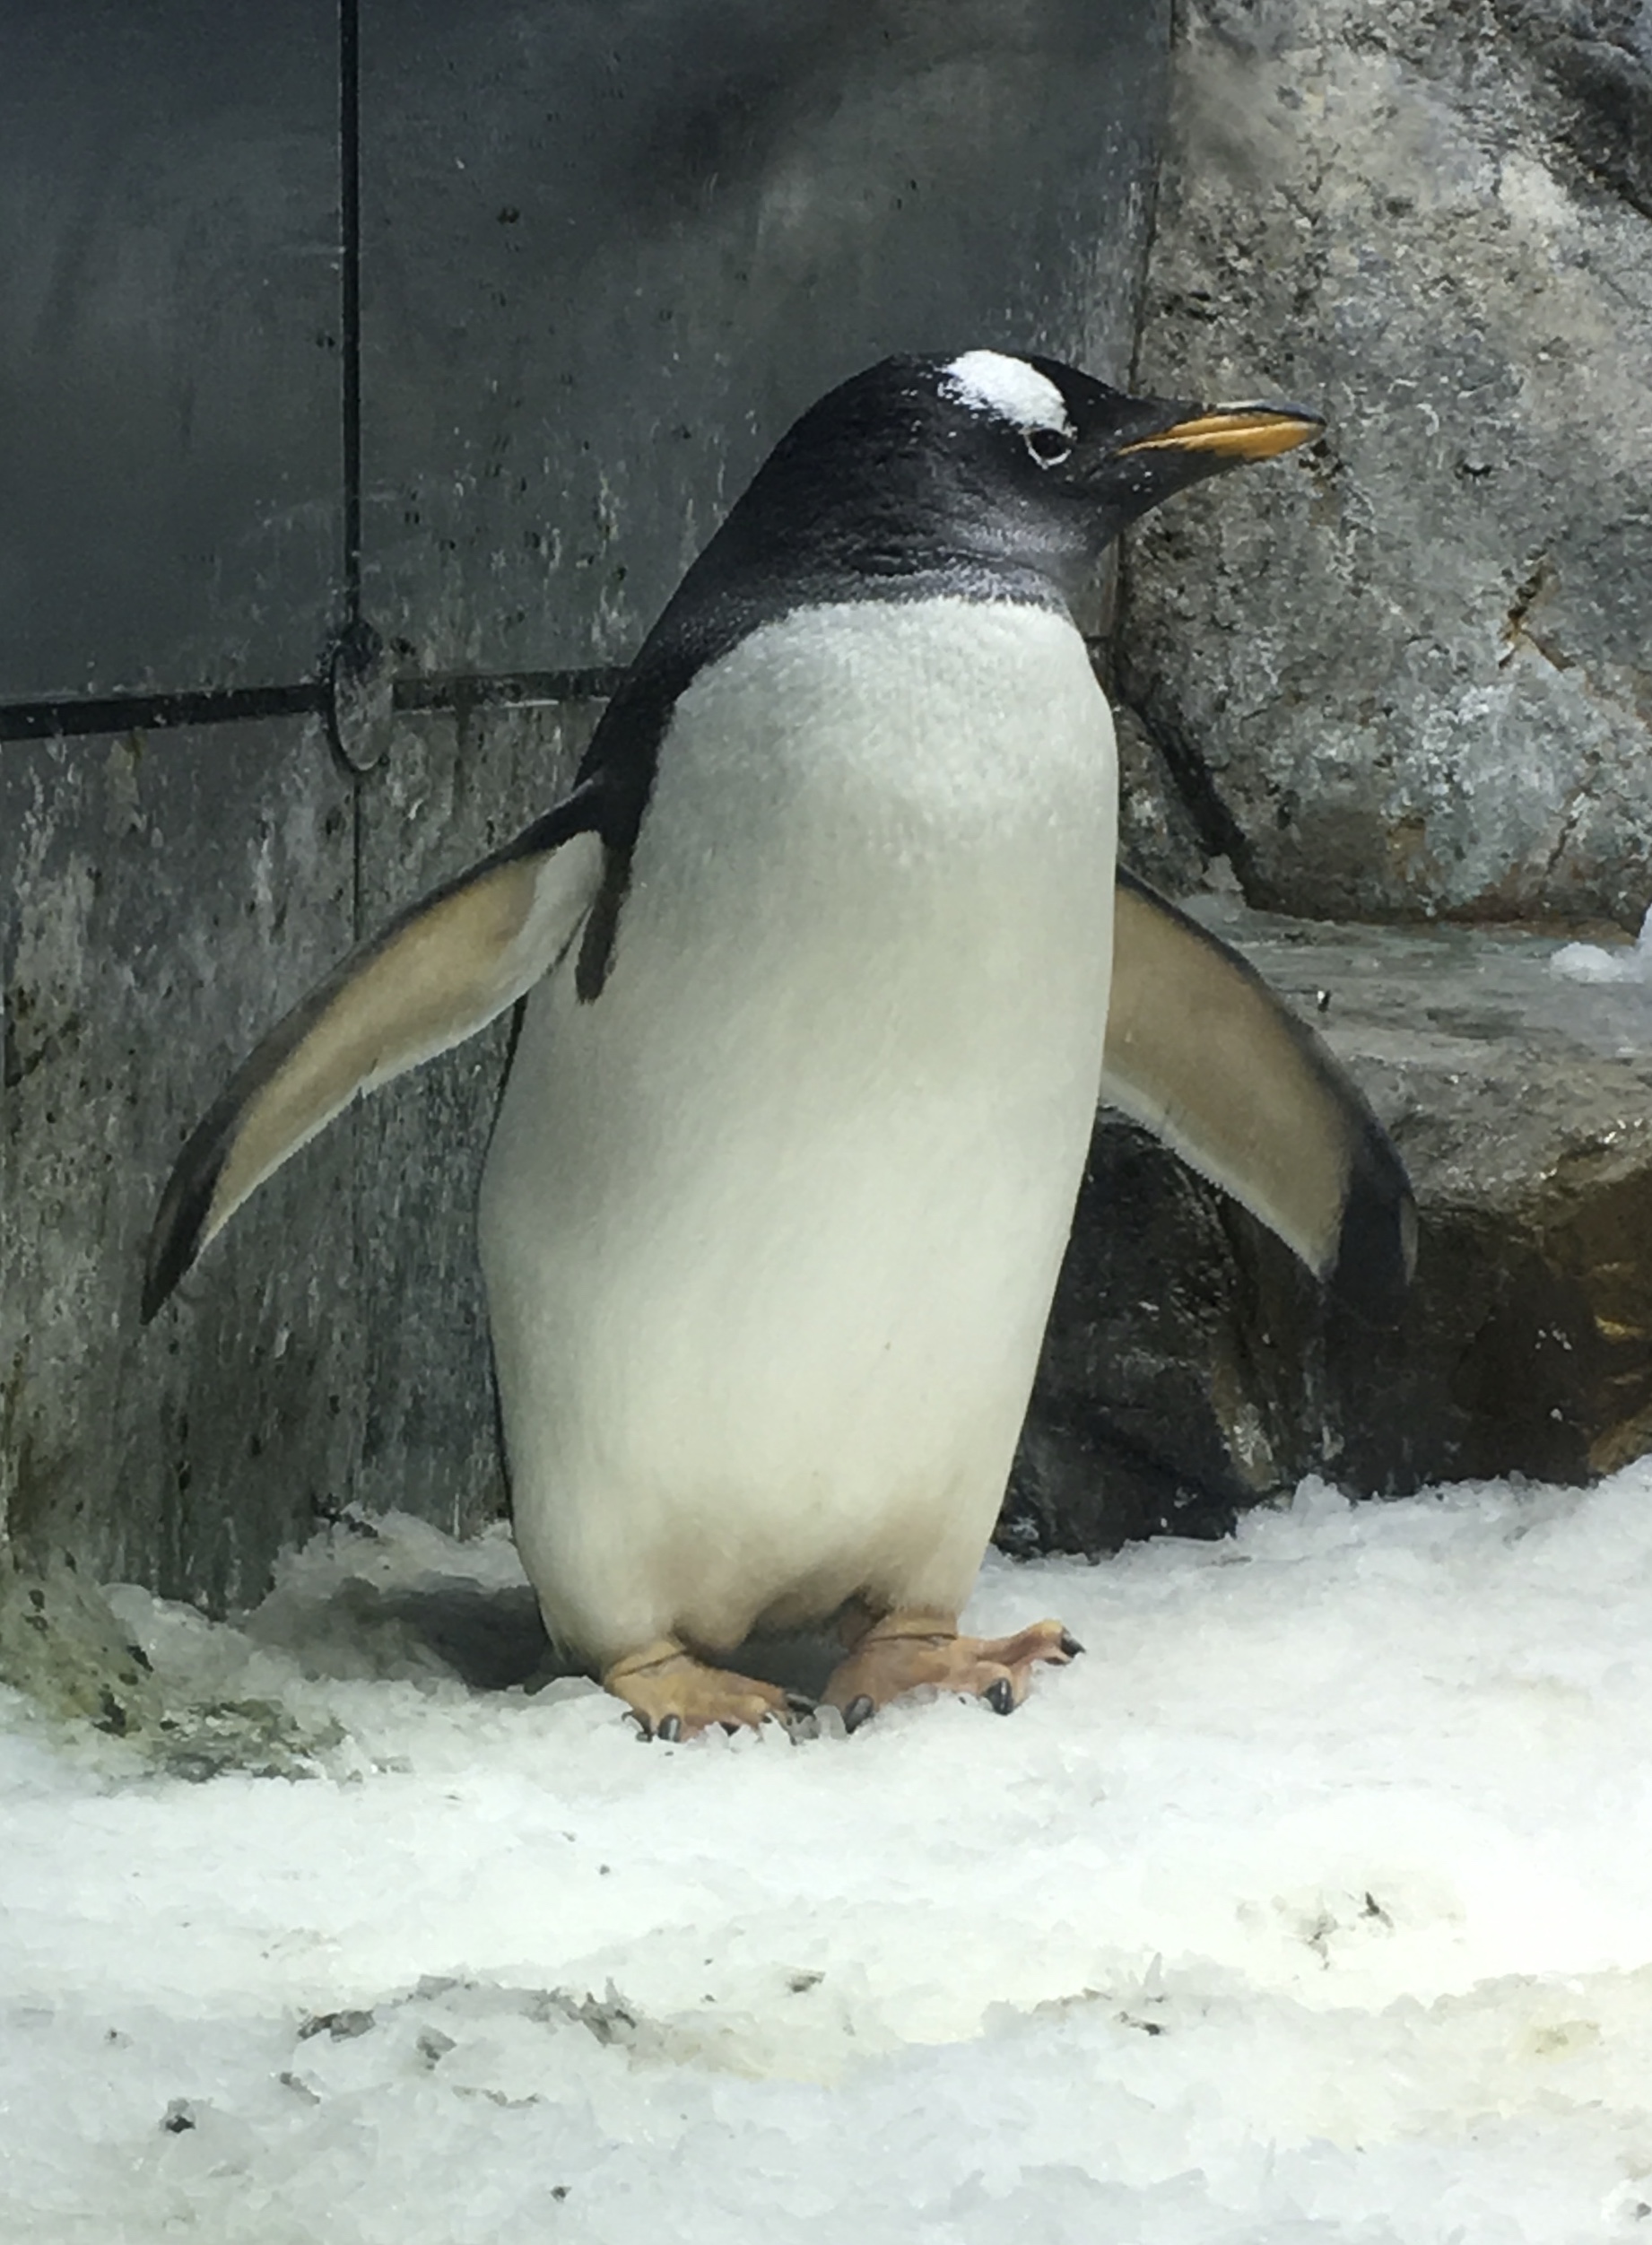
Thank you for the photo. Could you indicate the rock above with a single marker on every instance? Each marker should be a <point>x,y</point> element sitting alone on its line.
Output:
<point>162,896</point>
<point>1597,57</point>
<point>1191,1367</point>
<point>332,1342</point>
<point>61,1643</point>
<point>64,1644</point>
<point>1407,674</point>
<point>1157,835</point>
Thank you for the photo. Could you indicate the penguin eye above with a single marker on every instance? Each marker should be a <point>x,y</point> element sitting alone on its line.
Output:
<point>1048,447</point>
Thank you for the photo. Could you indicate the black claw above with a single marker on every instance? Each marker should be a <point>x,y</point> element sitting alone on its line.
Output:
<point>800,1703</point>
<point>671,1729</point>
<point>859,1711</point>
<point>1070,1644</point>
<point>1000,1696</point>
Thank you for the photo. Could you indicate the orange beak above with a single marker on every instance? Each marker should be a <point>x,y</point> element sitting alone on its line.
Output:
<point>1235,432</point>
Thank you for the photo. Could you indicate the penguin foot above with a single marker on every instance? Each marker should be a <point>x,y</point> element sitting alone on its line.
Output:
<point>674,1695</point>
<point>906,1652</point>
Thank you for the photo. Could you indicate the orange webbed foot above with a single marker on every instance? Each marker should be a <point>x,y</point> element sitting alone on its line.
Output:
<point>906,1652</point>
<point>674,1695</point>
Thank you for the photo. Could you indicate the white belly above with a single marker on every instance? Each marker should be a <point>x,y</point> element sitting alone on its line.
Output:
<point>771,1229</point>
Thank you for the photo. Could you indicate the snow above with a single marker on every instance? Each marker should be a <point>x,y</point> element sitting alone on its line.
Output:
<point>1315,1903</point>
<point>1592,962</point>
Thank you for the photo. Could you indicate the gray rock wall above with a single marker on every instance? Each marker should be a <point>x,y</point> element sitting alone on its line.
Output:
<point>1411,673</point>
<point>170,894</point>
<point>605,255</point>
<point>186,1455</point>
<point>1403,675</point>
<point>1192,1366</point>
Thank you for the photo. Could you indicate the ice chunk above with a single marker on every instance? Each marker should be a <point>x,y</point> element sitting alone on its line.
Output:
<point>1592,962</point>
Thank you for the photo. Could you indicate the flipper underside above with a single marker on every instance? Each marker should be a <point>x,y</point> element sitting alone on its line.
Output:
<point>1203,1054</point>
<point>1199,1050</point>
<point>436,976</point>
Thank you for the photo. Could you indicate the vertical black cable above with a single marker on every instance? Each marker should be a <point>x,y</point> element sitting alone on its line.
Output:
<point>350,389</point>
<point>350,294</point>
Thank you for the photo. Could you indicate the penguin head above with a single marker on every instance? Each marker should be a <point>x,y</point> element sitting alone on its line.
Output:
<point>1010,471</point>
<point>1080,460</point>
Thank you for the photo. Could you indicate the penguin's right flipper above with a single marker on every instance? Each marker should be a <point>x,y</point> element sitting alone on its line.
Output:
<point>1201,1053</point>
<point>438,974</point>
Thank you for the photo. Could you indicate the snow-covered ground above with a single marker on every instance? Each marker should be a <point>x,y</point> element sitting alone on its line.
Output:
<point>1315,1903</point>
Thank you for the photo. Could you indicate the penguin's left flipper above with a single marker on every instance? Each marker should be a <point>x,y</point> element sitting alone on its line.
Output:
<point>436,976</point>
<point>1201,1053</point>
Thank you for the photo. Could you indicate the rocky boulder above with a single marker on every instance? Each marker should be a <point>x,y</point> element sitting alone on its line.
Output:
<point>1409,674</point>
<point>1192,1367</point>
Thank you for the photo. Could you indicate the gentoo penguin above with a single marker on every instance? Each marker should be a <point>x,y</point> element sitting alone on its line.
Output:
<point>817,957</point>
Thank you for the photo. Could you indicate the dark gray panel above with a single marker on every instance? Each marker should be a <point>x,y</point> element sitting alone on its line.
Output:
<point>448,793</point>
<point>165,897</point>
<point>170,510</point>
<point>612,248</point>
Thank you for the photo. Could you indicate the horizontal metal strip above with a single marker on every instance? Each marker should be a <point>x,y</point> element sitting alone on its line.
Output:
<point>231,705</point>
<point>507,690</point>
<point>154,712</point>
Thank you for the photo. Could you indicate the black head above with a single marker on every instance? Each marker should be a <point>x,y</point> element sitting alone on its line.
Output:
<point>983,476</point>
<point>986,470</point>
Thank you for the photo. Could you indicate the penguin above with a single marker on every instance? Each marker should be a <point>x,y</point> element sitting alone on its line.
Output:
<point>826,970</point>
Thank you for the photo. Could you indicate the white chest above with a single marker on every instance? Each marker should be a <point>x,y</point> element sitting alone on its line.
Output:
<point>771,1227</point>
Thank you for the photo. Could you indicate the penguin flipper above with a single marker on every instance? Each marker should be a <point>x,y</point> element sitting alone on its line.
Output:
<point>438,974</point>
<point>1201,1052</point>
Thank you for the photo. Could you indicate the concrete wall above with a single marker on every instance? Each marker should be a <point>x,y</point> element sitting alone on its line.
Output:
<point>601,256</point>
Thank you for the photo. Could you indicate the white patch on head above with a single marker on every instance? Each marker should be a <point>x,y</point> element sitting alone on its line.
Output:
<point>989,381</point>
